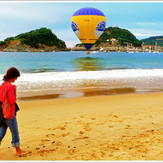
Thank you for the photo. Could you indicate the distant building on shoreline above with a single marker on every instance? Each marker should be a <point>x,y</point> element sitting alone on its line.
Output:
<point>148,47</point>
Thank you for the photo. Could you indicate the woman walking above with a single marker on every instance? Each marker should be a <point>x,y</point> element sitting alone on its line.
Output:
<point>10,77</point>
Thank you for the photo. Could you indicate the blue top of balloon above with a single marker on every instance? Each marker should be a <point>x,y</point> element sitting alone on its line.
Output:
<point>88,11</point>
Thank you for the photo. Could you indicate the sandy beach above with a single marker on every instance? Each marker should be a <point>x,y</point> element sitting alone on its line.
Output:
<point>101,128</point>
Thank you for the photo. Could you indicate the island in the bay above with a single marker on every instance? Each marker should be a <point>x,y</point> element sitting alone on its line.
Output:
<point>37,40</point>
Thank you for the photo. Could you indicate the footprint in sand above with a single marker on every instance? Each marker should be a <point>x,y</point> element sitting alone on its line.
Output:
<point>78,122</point>
<point>72,151</point>
<point>82,137</point>
<point>115,116</point>
<point>43,141</point>
<point>50,135</point>
<point>81,132</point>
<point>60,127</point>
<point>64,135</point>
<point>128,127</point>
<point>44,151</point>
<point>87,127</point>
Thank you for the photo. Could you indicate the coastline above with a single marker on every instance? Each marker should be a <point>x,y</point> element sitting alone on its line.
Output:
<point>76,93</point>
<point>94,128</point>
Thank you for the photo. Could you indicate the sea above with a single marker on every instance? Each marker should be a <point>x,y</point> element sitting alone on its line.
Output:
<point>75,70</point>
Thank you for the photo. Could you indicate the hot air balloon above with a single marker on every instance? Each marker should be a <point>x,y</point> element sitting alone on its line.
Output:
<point>88,24</point>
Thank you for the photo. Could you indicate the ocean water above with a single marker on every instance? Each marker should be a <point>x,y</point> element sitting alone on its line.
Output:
<point>43,71</point>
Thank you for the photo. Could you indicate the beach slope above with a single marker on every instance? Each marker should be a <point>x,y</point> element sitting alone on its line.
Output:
<point>117,127</point>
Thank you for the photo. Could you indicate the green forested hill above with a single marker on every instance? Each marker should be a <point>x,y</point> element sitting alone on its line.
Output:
<point>153,40</point>
<point>122,35</point>
<point>39,36</point>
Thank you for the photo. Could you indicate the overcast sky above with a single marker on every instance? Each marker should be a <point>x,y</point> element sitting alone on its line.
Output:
<point>143,19</point>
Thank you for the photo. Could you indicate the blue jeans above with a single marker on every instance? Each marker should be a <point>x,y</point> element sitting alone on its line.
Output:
<point>12,124</point>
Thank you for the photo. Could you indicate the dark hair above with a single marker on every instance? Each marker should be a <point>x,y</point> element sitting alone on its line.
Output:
<point>11,73</point>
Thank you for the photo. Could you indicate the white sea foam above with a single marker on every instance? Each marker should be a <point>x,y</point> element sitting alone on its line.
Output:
<point>139,78</point>
<point>51,76</point>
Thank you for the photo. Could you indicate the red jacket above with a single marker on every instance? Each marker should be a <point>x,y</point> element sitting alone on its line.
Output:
<point>10,92</point>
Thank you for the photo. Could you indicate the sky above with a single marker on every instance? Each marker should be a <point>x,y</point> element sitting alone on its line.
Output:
<point>142,18</point>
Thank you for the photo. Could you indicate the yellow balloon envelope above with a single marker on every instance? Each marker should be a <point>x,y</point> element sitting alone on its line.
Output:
<point>88,24</point>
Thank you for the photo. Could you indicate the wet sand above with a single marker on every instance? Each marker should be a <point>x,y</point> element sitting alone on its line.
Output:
<point>106,128</point>
<point>73,93</point>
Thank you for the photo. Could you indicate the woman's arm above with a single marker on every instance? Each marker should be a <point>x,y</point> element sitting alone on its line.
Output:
<point>11,91</point>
